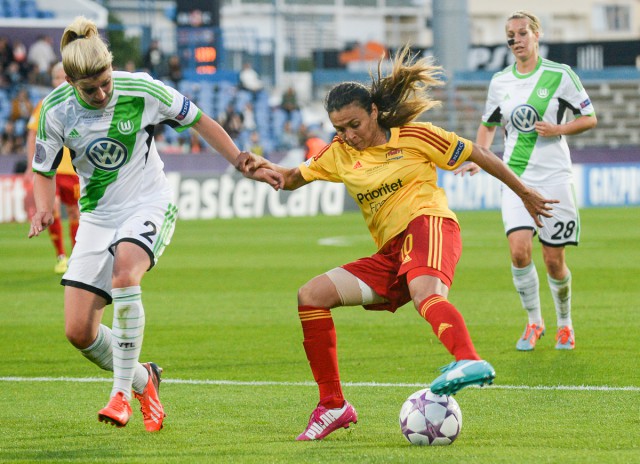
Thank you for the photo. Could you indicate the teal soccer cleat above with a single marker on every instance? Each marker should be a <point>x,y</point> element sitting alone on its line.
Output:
<point>460,374</point>
<point>565,338</point>
<point>532,333</point>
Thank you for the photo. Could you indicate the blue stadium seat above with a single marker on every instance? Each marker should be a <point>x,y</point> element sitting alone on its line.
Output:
<point>242,98</point>
<point>5,104</point>
<point>28,9</point>
<point>224,96</point>
<point>46,14</point>
<point>170,135</point>
<point>213,99</point>
<point>12,10</point>
<point>20,127</point>
<point>277,120</point>
<point>206,98</point>
<point>38,92</point>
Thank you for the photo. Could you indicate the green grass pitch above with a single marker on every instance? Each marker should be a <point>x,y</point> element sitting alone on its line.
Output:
<point>222,321</point>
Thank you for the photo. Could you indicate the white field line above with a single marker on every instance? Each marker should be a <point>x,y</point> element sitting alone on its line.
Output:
<point>312,384</point>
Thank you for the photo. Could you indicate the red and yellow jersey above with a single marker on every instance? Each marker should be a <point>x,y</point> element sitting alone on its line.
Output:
<point>65,166</point>
<point>396,182</point>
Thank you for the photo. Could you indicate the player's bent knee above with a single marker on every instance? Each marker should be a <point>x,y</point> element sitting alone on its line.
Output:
<point>79,339</point>
<point>351,290</point>
<point>319,292</point>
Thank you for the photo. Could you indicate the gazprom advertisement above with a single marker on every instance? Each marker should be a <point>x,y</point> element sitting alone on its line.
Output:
<point>209,196</point>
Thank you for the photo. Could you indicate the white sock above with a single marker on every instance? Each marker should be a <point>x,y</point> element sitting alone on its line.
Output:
<point>101,354</point>
<point>127,333</point>
<point>528,287</point>
<point>561,293</point>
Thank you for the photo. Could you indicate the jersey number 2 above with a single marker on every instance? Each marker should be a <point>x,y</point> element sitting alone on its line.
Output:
<point>151,233</point>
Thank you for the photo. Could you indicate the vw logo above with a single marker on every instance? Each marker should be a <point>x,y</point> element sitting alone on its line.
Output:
<point>524,118</point>
<point>107,154</point>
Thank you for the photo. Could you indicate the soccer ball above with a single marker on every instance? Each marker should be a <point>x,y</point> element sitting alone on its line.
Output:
<point>430,419</point>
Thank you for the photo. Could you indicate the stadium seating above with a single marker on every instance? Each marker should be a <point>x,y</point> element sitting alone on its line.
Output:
<point>617,105</point>
<point>22,9</point>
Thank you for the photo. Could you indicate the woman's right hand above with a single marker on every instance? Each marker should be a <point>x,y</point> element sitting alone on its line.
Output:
<point>39,222</point>
<point>269,176</point>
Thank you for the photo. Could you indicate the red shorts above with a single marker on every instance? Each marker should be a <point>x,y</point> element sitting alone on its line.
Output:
<point>430,243</point>
<point>68,188</point>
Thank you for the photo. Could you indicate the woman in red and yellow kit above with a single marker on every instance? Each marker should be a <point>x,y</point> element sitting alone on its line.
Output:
<point>388,165</point>
<point>67,184</point>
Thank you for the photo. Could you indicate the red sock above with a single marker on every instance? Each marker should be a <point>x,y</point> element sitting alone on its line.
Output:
<point>73,230</point>
<point>321,349</point>
<point>55,232</point>
<point>449,326</point>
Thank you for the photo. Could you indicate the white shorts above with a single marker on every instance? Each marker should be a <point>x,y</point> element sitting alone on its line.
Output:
<point>560,230</point>
<point>91,263</point>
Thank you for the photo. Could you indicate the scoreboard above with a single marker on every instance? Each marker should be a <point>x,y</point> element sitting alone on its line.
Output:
<point>199,41</point>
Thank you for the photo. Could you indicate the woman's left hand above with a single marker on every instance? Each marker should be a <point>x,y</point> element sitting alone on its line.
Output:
<point>269,176</point>
<point>247,162</point>
<point>546,129</point>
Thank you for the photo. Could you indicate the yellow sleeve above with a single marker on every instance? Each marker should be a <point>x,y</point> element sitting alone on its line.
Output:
<point>454,150</point>
<point>35,116</point>
<point>322,166</point>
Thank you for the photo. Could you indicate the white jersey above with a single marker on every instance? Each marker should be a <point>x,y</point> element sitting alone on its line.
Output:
<point>517,101</point>
<point>112,148</point>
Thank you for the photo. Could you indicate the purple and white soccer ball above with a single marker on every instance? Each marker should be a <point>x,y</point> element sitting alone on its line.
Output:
<point>430,419</point>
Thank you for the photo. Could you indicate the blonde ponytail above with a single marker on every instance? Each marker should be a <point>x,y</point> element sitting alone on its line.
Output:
<point>84,53</point>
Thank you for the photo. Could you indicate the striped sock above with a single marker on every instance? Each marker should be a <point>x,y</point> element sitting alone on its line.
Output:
<point>448,325</point>
<point>320,345</point>
<point>55,233</point>
<point>127,334</point>
<point>99,352</point>
<point>528,287</point>
<point>561,293</point>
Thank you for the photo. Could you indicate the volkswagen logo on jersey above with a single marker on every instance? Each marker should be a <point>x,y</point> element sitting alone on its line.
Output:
<point>107,154</point>
<point>524,118</point>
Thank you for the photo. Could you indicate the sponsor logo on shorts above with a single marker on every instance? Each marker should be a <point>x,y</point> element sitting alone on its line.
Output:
<point>107,154</point>
<point>456,153</point>
<point>186,104</point>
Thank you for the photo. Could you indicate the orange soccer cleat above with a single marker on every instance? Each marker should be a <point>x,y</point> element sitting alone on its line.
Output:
<point>150,406</point>
<point>117,412</point>
<point>565,338</point>
<point>532,333</point>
